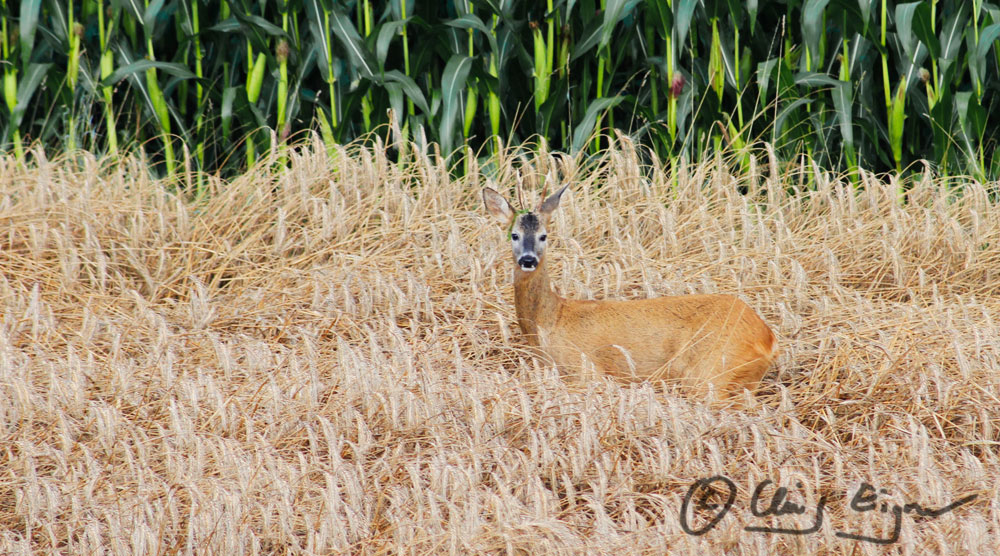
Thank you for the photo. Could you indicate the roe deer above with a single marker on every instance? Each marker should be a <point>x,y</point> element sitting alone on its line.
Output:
<point>694,340</point>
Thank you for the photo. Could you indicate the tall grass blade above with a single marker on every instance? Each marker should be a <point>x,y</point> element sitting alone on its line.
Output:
<point>585,129</point>
<point>452,86</point>
<point>812,28</point>
<point>28,24</point>
<point>26,88</point>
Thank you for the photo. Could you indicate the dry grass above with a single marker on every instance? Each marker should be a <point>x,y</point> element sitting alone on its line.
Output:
<point>325,360</point>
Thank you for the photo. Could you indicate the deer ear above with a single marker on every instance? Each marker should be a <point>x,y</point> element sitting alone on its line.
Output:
<point>550,204</point>
<point>497,206</point>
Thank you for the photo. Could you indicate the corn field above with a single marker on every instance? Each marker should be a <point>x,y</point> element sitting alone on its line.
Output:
<point>210,86</point>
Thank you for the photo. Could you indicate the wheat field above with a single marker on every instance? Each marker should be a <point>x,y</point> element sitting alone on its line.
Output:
<point>325,360</point>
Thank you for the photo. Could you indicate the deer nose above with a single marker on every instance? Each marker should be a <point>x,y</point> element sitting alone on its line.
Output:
<point>527,262</point>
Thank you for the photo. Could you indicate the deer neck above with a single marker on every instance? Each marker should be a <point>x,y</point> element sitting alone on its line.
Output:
<point>536,304</point>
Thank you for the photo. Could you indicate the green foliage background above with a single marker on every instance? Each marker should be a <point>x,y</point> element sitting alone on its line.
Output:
<point>844,81</point>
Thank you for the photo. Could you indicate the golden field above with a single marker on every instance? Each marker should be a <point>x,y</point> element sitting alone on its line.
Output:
<point>325,360</point>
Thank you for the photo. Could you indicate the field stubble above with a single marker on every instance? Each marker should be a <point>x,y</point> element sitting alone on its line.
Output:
<point>326,360</point>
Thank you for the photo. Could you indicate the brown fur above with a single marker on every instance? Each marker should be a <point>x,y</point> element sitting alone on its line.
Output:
<point>692,340</point>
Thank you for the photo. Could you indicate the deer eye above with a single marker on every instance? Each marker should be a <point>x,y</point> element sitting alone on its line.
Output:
<point>543,237</point>
<point>514,236</point>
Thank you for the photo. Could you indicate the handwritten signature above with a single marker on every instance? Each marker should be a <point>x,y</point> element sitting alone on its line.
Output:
<point>710,499</point>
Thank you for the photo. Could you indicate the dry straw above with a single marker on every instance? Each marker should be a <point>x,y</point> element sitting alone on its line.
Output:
<point>325,360</point>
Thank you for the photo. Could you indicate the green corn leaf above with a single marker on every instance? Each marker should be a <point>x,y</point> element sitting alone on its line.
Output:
<point>735,139</point>
<point>977,119</point>
<point>682,19</point>
<point>779,122</point>
<point>456,71</point>
<point>726,55</point>
<point>589,38</point>
<point>904,25</point>
<point>860,47</point>
<point>408,86</point>
<point>89,78</point>
<point>140,66</point>
<point>485,81</point>
<point>910,66</point>
<point>942,123</point>
<point>986,38</point>
<point>569,6</point>
<point>127,57</point>
<point>994,12</point>
<point>305,66</point>
<point>314,11</point>
<point>397,11</point>
<point>29,23</point>
<point>56,9</point>
<point>614,11</point>
<point>971,116</point>
<point>395,91</point>
<point>471,21</point>
<point>149,15</point>
<point>736,10</point>
<point>923,28</point>
<point>813,79</point>
<point>186,22</point>
<point>951,36</point>
<point>342,27</point>
<point>26,88</point>
<point>456,39</point>
<point>179,122</point>
<point>764,71</point>
<point>252,25</point>
<point>435,102</point>
<point>388,31</point>
<point>661,17</point>
<point>842,102</point>
<point>134,7</point>
<point>583,130</point>
<point>259,117</point>
<point>249,23</point>
<point>553,106</point>
<point>508,45</point>
<point>812,26</point>
<point>261,24</point>
<point>745,69</point>
<point>685,105</point>
<point>972,121</point>
<point>865,7</point>
<point>256,29</point>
